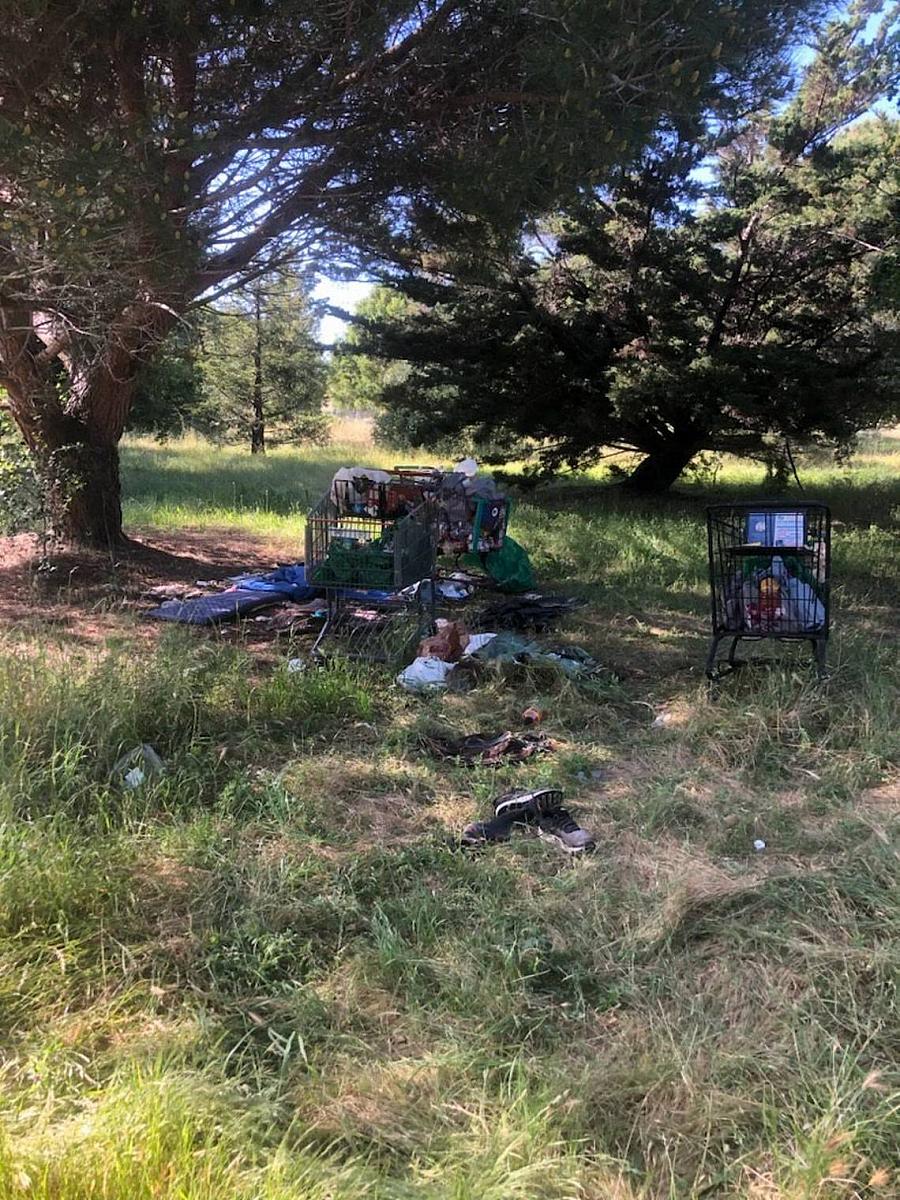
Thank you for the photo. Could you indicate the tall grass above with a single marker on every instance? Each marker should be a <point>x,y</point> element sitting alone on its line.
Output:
<point>270,973</point>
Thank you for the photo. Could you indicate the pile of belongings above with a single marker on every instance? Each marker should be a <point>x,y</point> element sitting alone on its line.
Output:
<point>489,750</point>
<point>364,563</point>
<point>773,595</point>
<point>471,514</point>
<point>472,511</point>
<point>530,610</point>
<point>452,645</point>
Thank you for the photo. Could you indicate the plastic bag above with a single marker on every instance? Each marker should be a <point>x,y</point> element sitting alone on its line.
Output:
<point>425,675</point>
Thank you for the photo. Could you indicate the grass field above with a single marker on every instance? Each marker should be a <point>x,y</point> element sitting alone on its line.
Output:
<point>268,975</point>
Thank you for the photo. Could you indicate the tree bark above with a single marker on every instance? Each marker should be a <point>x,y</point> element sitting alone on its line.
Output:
<point>660,469</point>
<point>77,460</point>
<point>83,494</point>
<point>258,428</point>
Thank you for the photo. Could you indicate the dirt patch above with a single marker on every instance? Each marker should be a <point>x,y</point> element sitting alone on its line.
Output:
<point>88,596</point>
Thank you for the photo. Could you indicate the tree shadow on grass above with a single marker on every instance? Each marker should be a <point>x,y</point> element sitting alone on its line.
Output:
<point>860,504</point>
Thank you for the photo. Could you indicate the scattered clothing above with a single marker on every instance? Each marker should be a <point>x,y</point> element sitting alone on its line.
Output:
<point>490,750</point>
<point>512,647</point>
<point>528,611</point>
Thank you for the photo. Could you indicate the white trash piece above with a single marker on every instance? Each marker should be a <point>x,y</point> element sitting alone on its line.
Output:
<point>425,675</point>
<point>466,466</point>
<point>477,641</point>
<point>137,765</point>
<point>451,590</point>
<point>295,665</point>
<point>759,845</point>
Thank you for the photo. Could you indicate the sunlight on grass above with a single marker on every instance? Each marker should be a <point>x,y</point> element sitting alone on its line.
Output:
<point>271,974</point>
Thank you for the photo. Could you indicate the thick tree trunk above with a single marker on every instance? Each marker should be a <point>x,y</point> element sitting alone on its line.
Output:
<point>258,428</point>
<point>77,461</point>
<point>71,408</point>
<point>83,494</point>
<point>659,470</point>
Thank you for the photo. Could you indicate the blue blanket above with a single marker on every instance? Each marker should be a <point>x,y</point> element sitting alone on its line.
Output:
<point>226,606</point>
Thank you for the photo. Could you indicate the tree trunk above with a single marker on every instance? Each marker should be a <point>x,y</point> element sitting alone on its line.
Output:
<point>83,494</point>
<point>77,461</point>
<point>659,470</point>
<point>258,428</point>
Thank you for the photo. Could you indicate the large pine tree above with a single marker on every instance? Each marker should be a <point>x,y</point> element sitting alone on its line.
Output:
<point>719,294</point>
<point>154,152</point>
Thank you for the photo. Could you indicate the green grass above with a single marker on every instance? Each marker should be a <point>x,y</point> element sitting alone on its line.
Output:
<point>268,974</point>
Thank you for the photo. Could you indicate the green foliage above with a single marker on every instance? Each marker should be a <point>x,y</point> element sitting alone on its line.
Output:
<point>21,502</point>
<point>357,382</point>
<point>168,387</point>
<point>272,320</point>
<point>684,306</point>
<point>151,155</point>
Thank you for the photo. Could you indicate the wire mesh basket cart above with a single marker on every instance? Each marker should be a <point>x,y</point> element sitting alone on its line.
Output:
<point>769,574</point>
<point>366,542</point>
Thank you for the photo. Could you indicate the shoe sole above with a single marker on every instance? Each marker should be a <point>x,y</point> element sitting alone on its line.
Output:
<point>587,848</point>
<point>533,804</point>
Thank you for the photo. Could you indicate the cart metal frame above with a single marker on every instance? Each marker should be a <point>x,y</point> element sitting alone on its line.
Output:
<point>734,559</point>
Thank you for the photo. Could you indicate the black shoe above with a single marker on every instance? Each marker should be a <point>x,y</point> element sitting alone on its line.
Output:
<point>561,827</point>
<point>528,806</point>
<point>496,830</point>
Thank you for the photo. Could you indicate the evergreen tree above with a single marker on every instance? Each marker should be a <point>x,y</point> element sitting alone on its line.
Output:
<point>683,307</point>
<point>356,381</point>
<point>262,374</point>
<point>167,387</point>
<point>152,153</point>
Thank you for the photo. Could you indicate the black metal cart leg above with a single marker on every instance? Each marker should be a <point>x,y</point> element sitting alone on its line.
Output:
<point>732,652</point>
<point>711,658</point>
<point>820,645</point>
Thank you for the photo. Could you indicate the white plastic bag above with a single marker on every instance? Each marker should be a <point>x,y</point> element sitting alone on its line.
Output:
<point>425,675</point>
<point>476,641</point>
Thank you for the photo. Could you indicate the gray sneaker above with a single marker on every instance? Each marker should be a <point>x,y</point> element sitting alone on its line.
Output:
<point>528,806</point>
<point>560,826</point>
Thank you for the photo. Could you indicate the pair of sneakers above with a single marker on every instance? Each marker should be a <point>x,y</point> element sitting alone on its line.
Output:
<point>542,810</point>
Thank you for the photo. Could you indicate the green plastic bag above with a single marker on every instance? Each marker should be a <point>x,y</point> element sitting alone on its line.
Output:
<point>509,567</point>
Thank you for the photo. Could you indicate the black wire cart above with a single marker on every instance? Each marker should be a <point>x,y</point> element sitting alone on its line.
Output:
<point>367,542</point>
<point>769,574</point>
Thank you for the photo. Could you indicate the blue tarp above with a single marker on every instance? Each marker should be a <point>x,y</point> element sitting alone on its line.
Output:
<point>287,580</point>
<point>209,610</point>
<point>257,591</point>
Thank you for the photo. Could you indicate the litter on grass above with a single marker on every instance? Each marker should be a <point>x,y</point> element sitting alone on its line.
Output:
<point>425,675</point>
<point>137,765</point>
<point>490,750</point>
<point>531,610</point>
<point>511,647</point>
